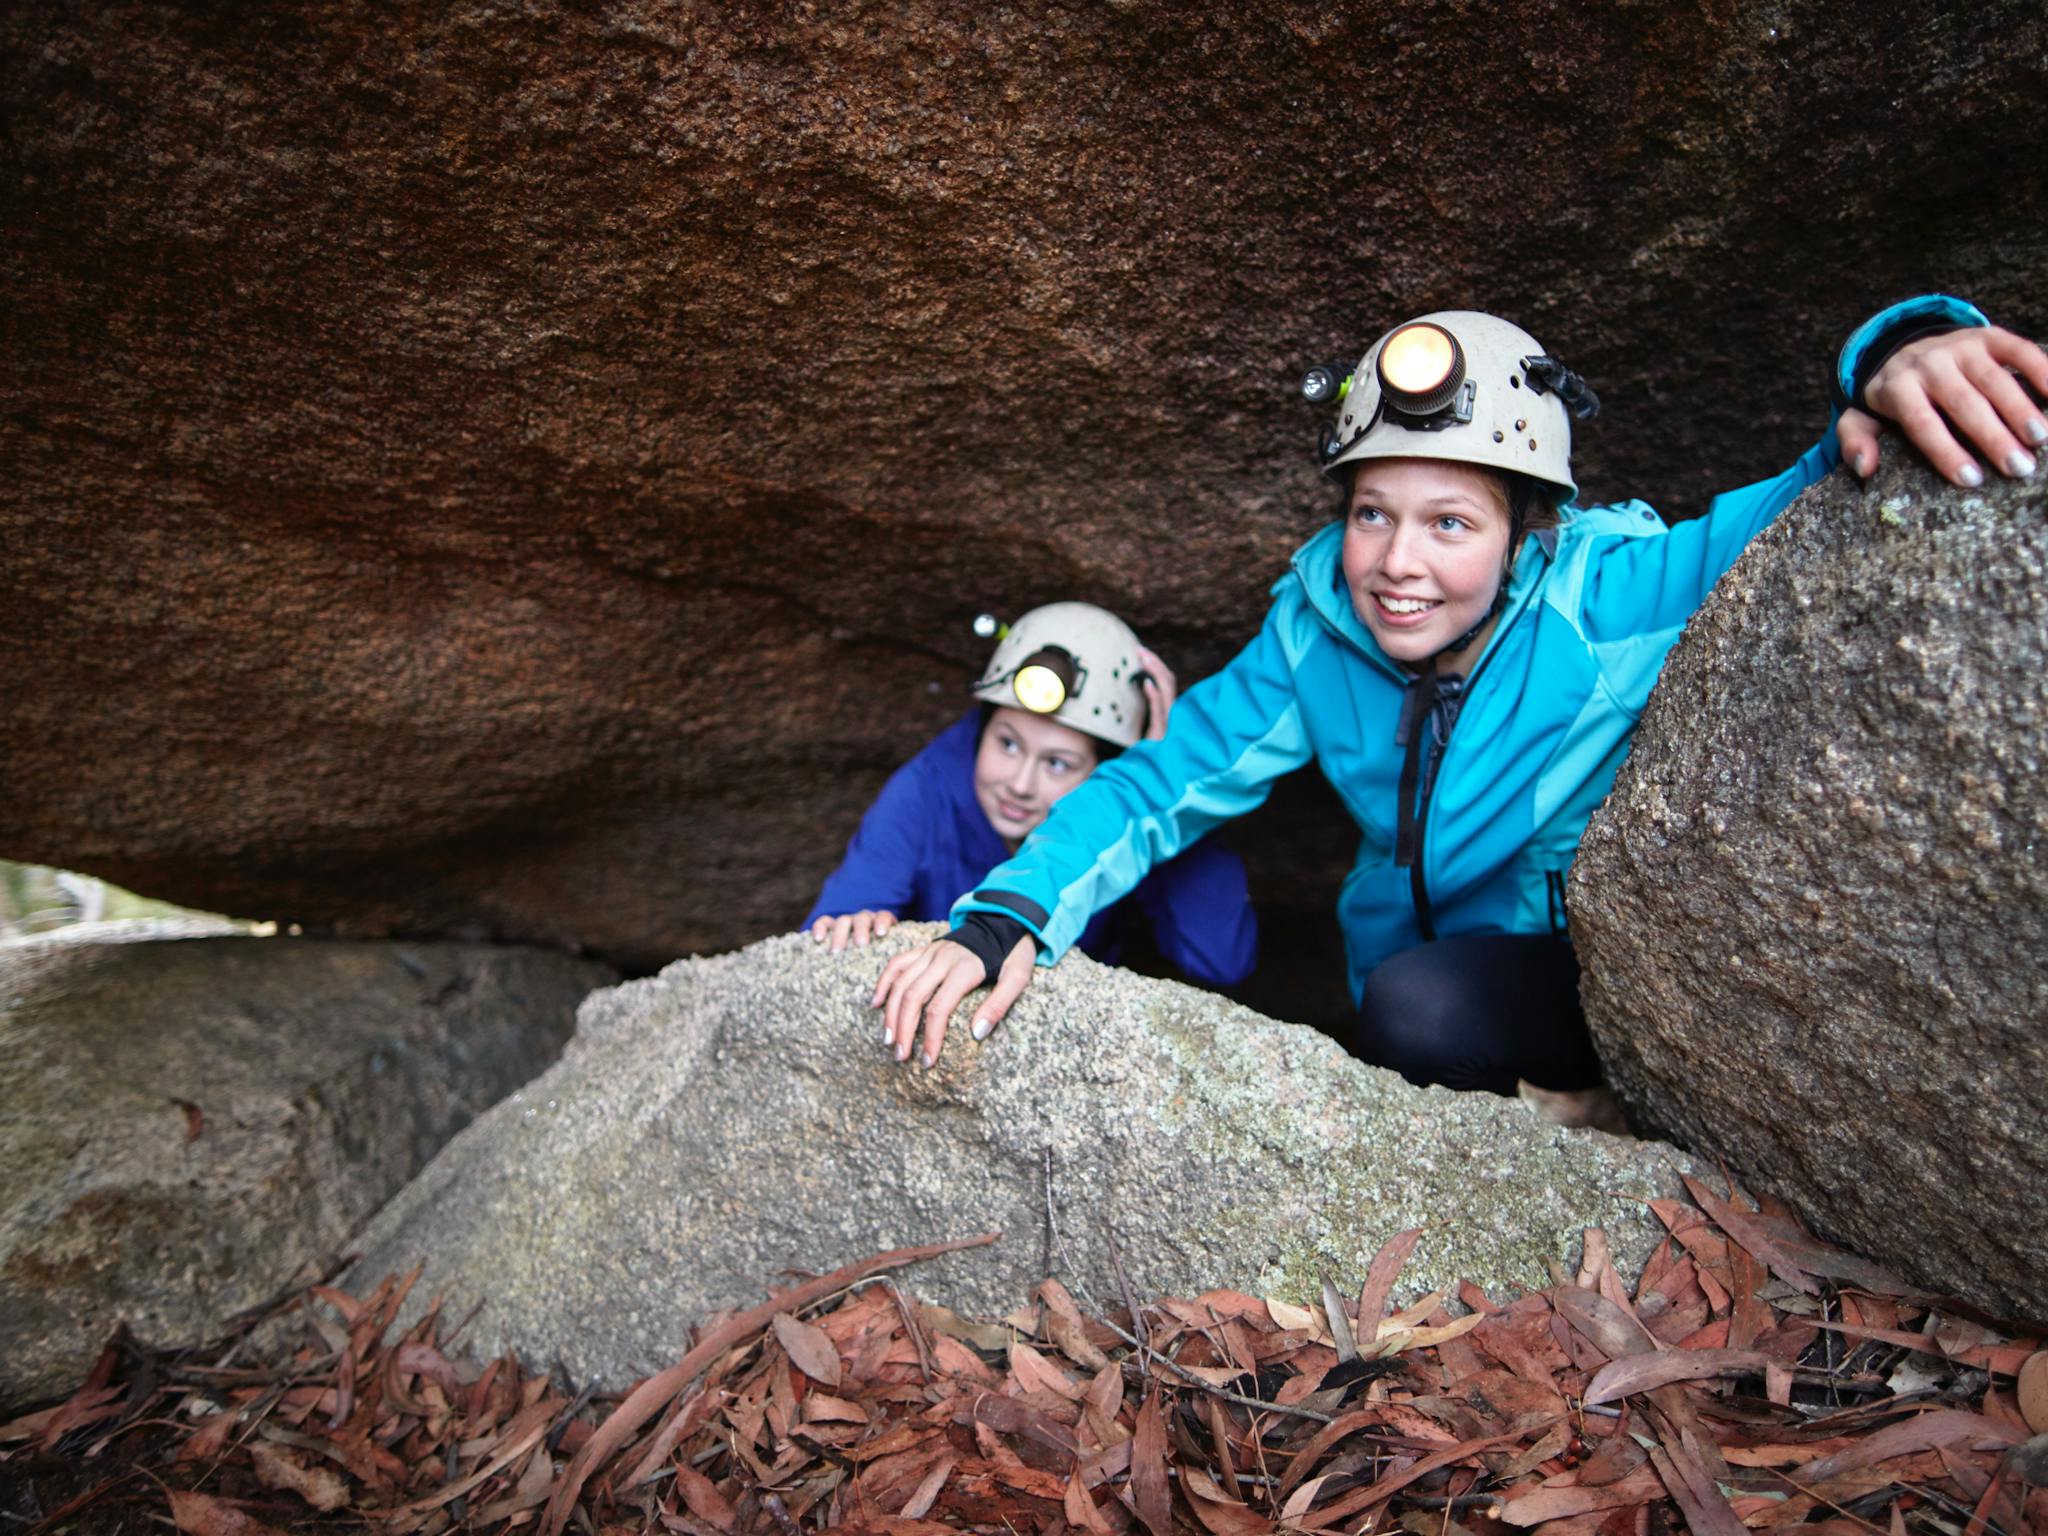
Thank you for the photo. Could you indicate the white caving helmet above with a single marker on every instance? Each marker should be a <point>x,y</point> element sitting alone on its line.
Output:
<point>1072,662</point>
<point>1456,385</point>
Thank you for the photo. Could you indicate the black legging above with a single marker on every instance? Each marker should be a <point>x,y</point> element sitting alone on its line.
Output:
<point>1478,1011</point>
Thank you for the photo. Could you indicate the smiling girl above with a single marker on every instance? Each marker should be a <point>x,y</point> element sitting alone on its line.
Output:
<point>1464,654</point>
<point>1068,688</point>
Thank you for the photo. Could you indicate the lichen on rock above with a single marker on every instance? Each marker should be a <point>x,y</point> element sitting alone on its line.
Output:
<point>734,1117</point>
<point>1814,912</point>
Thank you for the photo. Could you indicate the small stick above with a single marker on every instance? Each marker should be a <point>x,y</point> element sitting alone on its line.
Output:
<point>1144,1338</point>
<point>1225,1393</point>
<point>1053,1225</point>
<point>913,1326</point>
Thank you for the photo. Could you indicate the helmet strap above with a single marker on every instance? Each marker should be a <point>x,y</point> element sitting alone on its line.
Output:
<point>1500,601</point>
<point>1521,496</point>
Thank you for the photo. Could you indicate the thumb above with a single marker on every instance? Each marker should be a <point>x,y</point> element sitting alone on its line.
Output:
<point>1011,982</point>
<point>1857,433</point>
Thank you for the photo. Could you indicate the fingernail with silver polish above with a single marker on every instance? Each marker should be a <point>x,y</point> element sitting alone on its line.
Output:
<point>888,1035</point>
<point>2019,464</point>
<point>929,1061</point>
<point>981,1029</point>
<point>2037,431</point>
<point>1970,475</point>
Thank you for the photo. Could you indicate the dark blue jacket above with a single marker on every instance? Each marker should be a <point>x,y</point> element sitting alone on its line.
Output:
<point>925,840</point>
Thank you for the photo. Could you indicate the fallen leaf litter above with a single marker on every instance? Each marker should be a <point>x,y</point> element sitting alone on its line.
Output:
<point>1755,1380</point>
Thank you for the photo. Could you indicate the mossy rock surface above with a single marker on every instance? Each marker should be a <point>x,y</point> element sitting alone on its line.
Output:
<point>734,1118</point>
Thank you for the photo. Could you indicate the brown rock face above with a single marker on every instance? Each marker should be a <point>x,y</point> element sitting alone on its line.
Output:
<point>188,1125</point>
<point>527,471</point>
<point>1814,912</point>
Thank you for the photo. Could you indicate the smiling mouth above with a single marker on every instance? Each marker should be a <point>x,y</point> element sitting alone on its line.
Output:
<point>1404,610</point>
<point>1011,812</point>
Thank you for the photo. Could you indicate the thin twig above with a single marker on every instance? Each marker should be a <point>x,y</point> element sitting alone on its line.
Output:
<point>1798,1487</point>
<point>1053,1225</point>
<point>1955,1506</point>
<point>914,1326</point>
<point>1193,1380</point>
<point>1143,1341</point>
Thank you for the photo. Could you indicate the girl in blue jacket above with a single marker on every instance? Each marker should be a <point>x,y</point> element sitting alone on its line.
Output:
<point>1068,687</point>
<point>1464,655</point>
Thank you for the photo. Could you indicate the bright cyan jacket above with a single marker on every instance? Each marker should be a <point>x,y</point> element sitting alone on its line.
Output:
<point>1542,726</point>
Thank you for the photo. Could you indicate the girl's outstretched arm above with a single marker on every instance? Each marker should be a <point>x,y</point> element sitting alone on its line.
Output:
<point>1230,736</point>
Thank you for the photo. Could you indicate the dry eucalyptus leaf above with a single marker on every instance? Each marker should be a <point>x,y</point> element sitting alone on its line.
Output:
<point>809,1349</point>
<point>2033,1392</point>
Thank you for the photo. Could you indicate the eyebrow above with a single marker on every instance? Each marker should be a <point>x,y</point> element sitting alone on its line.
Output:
<point>1449,499</point>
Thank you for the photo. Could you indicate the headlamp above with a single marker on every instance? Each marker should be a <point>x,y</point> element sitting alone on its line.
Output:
<point>1045,680</point>
<point>1420,368</point>
<point>1326,384</point>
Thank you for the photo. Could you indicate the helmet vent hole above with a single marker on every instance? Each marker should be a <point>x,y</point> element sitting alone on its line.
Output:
<point>1499,437</point>
<point>1514,381</point>
<point>1521,426</point>
<point>1532,442</point>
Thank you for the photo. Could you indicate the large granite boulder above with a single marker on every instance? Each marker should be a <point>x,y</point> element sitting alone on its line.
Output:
<point>1814,912</point>
<point>561,447</point>
<point>733,1118</point>
<point>187,1125</point>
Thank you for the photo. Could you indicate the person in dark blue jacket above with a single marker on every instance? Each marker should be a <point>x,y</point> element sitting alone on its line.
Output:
<point>1465,654</point>
<point>1069,687</point>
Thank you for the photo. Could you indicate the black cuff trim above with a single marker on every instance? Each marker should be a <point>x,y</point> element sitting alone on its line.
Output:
<point>1033,914</point>
<point>1879,352</point>
<point>989,937</point>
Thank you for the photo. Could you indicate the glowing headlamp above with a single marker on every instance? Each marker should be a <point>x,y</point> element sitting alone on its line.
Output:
<point>1420,368</point>
<point>1045,680</point>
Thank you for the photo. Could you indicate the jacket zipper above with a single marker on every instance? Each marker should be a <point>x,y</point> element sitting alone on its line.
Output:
<point>1418,889</point>
<point>1434,752</point>
<point>1432,760</point>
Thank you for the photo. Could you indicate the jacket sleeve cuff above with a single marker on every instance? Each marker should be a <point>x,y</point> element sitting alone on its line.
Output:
<point>1872,343</point>
<point>989,937</point>
<point>988,923</point>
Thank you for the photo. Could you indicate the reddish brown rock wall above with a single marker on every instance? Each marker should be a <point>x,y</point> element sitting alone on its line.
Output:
<point>477,469</point>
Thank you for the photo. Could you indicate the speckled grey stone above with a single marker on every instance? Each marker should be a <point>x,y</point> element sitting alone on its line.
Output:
<point>188,1124</point>
<point>1814,912</point>
<point>737,1117</point>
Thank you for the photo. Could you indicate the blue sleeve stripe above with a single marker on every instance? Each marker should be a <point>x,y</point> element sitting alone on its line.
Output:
<point>1021,907</point>
<point>1932,306</point>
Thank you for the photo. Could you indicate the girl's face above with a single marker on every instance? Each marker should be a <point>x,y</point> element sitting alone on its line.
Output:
<point>1425,545</point>
<point>1026,762</point>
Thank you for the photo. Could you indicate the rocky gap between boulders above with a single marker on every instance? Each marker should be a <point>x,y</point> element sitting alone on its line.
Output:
<point>505,574</point>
